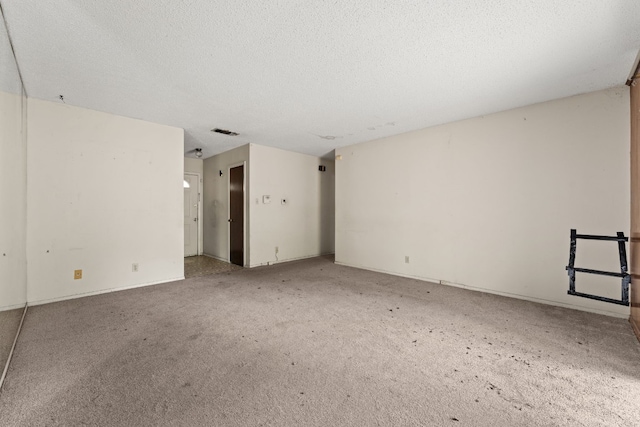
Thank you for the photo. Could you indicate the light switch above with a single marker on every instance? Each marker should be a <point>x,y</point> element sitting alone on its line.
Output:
<point>266,199</point>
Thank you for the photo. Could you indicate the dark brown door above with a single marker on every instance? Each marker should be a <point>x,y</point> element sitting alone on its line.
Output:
<point>236,215</point>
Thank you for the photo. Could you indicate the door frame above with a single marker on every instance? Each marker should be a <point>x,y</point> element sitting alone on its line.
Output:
<point>200,245</point>
<point>245,246</point>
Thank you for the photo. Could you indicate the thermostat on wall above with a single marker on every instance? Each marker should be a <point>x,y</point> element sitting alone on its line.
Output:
<point>266,199</point>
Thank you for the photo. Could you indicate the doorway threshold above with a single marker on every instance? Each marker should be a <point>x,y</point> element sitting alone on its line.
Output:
<point>196,266</point>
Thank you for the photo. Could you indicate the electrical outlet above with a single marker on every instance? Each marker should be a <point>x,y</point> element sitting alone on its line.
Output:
<point>134,267</point>
<point>406,259</point>
<point>77,274</point>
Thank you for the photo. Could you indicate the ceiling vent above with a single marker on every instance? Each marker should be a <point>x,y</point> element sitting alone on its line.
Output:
<point>224,132</point>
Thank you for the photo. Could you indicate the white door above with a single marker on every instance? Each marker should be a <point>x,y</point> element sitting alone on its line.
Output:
<point>191,196</point>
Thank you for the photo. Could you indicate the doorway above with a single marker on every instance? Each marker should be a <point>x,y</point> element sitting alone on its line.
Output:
<point>191,209</point>
<point>236,215</point>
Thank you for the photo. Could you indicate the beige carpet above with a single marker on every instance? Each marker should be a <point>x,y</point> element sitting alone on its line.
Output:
<point>196,266</point>
<point>310,343</point>
<point>9,323</point>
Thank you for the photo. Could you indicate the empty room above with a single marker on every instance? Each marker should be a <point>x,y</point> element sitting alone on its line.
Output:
<point>312,213</point>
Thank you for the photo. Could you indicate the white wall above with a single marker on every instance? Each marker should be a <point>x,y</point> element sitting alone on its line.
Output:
<point>216,202</point>
<point>193,165</point>
<point>13,179</point>
<point>13,201</point>
<point>304,226</point>
<point>488,202</point>
<point>103,192</point>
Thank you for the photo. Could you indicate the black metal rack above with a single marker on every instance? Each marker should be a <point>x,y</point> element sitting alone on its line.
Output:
<point>624,275</point>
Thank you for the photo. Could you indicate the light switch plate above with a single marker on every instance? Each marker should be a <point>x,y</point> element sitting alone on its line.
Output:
<point>266,199</point>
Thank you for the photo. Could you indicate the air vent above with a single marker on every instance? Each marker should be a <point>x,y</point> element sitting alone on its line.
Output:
<point>224,132</point>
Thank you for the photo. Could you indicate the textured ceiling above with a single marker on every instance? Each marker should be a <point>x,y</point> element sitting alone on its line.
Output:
<point>310,76</point>
<point>9,77</point>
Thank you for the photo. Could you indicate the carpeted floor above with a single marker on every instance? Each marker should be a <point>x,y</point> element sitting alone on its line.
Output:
<point>9,323</point>
<point>196,266</point>
<point>310,343</point>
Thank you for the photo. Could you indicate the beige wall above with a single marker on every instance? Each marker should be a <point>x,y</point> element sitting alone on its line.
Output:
<point>13,180</point>
<point>304,226</point>
<point>216,201</point>
<point>487,203</point>
<point>13,203</point>
<point>634,264</point>
<point>193,165</point>
<point>104,192</point>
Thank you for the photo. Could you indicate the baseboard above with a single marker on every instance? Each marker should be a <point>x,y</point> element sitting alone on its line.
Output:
<point>635,324</point>
<point>12,307</point>
<point>216,257</point>
<point>490,291</point>
<point>289,259</point>
<point>13,347</point>
<point>103,291</point>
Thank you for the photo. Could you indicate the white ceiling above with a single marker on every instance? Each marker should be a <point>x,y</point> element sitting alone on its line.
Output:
<point>310,76</point>
<point>9,77</point>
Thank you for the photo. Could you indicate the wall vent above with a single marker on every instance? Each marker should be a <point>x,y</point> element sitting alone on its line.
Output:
<point>224,131</point>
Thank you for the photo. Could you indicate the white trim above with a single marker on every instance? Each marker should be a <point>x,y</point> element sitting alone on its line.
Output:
<point>200,246</point>
<point>12,307</point>
<point>291,259</point>
<point>216,257</point>
<point>244,210</point>
<point>104,291</point>
<point>489,291</point>
<point>13,347</point>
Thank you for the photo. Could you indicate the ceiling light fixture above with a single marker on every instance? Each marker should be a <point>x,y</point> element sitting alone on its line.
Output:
<point>198,152</point>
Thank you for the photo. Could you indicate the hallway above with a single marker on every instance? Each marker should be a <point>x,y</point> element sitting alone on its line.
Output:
<point>196,266</point>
